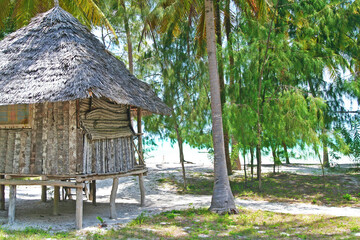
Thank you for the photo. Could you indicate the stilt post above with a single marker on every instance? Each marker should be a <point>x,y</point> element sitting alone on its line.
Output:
<point>43,191</point>
<point>93,191</point>
<point>56,200</point>
<point>2,195</point>
<point>142,190</point>
<point>79,207</point>
<point>113,214</point>
<point>12,203</point>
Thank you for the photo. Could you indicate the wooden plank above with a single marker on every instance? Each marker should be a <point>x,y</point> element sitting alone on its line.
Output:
<point>17,148</point>
<point>53,150</point>
<point>65,169</point>
<point>72,137</point>
<point>116,155</point>
<point>27,152</point>
<point>112,175</point>
<point>39,121</point>
<point>41,183</point>
<point>10,152</point>
<point>122,161</point>
<point>3,148</point>
<point>33,144</point>
<point>112,156</point>
<point>2,195</point>
<point>12,204</point>
<point>45,129</point>
<point>103,157</point>
<point>113,214</point>
<point>56,200</point>
<point>142,190</point>
<point>43,190</point>
<point>80,151</point>
<point>59,123</point>
<point>79,208</point>
<point>93,191</point>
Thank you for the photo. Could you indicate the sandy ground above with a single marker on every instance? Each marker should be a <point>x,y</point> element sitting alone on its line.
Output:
<point>31,212</point>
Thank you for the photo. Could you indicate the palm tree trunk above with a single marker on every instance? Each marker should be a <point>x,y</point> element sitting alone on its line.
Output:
<point>222,83</point>
<point>128,39</point>
<point>222,199</point>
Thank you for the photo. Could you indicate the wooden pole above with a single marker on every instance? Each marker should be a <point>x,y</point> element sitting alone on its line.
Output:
<point>43,191</point>
<point>139,132</point>
<point>93,191</point>
<point>2,195</point>
<point>79,208</point>
<point>114,189</point>
<point>142,189</point>
<point>56,200</point>
<point>12,203</point>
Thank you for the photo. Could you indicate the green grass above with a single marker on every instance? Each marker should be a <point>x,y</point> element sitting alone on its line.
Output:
<point>200,223</point>
<point>34,234</point>
<point>339,190</point>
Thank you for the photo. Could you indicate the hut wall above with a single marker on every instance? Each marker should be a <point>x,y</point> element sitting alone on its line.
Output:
<point>108,142</point>
<point>52,146</point>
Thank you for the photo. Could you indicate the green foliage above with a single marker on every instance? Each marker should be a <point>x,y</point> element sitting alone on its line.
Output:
<point>347,197</point>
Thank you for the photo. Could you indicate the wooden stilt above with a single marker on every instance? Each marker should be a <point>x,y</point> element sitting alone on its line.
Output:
<point>114,189</point>
<point>12,203</point>
<point>79,208</point>
<point>56,200</point>
<point>93,192</point>
<point>2,195</point>
<point>43,191</point>
<point>142,190</point>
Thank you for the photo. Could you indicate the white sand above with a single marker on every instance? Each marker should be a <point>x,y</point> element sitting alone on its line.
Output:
<point>31,212</point>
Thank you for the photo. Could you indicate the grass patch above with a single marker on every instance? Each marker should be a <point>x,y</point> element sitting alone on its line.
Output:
<point>34,233</point>
<point>339,190</point>
<point>200,223</point>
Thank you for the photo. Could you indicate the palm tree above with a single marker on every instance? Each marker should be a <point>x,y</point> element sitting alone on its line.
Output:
<point>21,11</point>
<point>222,199</point>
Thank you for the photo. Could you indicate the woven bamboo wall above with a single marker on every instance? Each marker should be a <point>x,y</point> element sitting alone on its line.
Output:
<point>52,146</point>
<point>108,146</point>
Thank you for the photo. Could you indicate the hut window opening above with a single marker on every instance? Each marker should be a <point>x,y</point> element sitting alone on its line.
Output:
<point>15,116</point>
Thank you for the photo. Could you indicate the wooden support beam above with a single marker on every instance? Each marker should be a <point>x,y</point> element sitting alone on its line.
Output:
<point>142,190</point>
<point>93,192</point>
<point>43,191</point>
<point>2,195</point>
<point>79,208</point>
<point>12,203</point>
<point>113,214</point>
<point>117,175</point>
<point>42,183</point>
<point>56,200</point>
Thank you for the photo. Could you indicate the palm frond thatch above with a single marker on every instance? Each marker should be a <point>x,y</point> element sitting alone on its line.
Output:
<point>56,58</point>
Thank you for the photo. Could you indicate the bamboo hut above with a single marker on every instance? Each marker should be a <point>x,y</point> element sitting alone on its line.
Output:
<point>65,111</point>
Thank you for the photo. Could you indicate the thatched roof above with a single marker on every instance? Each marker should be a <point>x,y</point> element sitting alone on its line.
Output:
<point>56,58</point>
